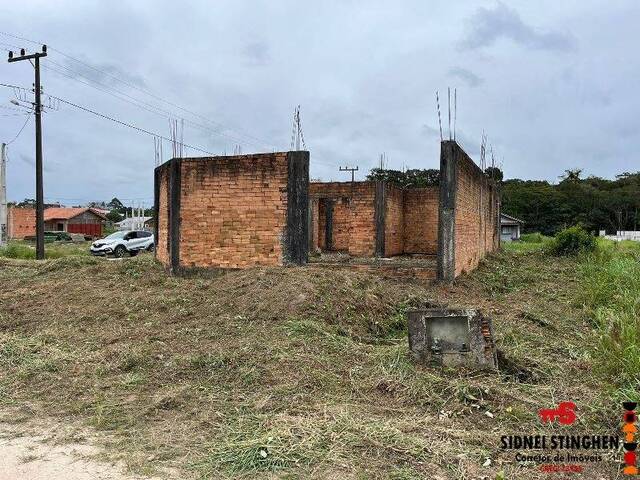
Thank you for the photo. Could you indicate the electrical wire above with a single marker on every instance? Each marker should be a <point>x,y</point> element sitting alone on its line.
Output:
<point>21,129</point>
<point>139,103</point>
<point>142,90</point>
<point>107,117</point>
<point>126,124</point>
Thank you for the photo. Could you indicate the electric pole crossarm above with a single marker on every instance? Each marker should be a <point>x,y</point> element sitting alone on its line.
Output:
<point>350,169</point>
<point>27,57</point>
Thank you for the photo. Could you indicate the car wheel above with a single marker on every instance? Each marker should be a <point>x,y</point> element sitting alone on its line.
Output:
<point>119,251</point>
<point>151,248</point>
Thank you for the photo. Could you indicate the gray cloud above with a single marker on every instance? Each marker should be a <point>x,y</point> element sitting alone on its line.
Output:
<point>256,53</point>
<point>467,76</point>
<point>486,26</point>
<point>105,73</point>
<point>363,91</point>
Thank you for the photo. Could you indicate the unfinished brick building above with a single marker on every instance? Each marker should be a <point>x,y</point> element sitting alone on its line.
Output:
<point>232,212</point>
<point>249,210</point>
<point>455,223</point>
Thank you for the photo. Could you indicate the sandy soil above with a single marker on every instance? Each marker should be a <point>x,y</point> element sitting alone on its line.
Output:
<point>25,455</point>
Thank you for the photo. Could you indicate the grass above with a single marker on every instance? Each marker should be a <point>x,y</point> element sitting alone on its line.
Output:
<point>296,372</point>
<point>529,242</point>
<point>611,282</point>
<point>27,250</point>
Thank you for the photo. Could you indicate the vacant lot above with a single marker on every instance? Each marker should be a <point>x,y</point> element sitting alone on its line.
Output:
<point>295,372</point>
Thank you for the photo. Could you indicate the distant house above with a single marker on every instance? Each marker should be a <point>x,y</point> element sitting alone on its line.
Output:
<point>509,228</point>
<point>134,223</point>
<point>22,221</point>
<point>87,221</point>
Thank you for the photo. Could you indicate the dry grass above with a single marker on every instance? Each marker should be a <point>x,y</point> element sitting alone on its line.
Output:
<point>290,372</point>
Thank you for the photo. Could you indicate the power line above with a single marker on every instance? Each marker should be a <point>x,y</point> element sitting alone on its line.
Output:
<point>126,124</point>
<point>107,117</point>
<point>142,90</point>
<point>130,125</point>
<point>140,103</point>
<point>21,129</point>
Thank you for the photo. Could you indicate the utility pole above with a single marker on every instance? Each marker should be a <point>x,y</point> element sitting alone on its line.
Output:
<point>4,226</point>
<point>38,109</point>
<point>352,170</point>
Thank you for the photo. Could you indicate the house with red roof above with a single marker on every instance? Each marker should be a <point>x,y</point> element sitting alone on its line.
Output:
<point>87,221</point>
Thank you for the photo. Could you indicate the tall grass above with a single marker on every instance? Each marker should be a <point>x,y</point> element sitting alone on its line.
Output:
<point>610,285</point>
<point>27,251</point>
<point>529,242</point>
<point>535,237</point>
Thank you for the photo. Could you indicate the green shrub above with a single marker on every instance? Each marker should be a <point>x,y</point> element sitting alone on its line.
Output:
<point>573,240</point>
<point>535,237</point>
<point>27,251</point>
<point>18,250</point>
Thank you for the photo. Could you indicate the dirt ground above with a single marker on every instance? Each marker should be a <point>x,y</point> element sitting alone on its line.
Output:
<point>49,451</point>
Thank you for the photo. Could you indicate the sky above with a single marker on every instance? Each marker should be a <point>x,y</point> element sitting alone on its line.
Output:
<point>552,85</point>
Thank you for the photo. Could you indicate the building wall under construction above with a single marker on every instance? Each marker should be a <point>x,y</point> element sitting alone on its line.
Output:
<point>469,212</point>
<point>373,218</point>
<point>232,212</point>
<point>21,222</point>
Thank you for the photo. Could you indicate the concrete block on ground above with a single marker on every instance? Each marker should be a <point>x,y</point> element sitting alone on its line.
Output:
<point>452,337</point>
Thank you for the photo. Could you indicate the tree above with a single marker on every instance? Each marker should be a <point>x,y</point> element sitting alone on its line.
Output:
<point>27,203</point>
<point>596,203</point>
<point>495,173</point>
<point>114,216</point>
<point>572,175</point>
<point>117,205</point>
<point>414,178</point>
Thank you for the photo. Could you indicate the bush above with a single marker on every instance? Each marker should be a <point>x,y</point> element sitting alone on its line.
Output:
<point>18,250</point>
<point>535,237</point>
<point>573,240</point>
<point>26,251</point>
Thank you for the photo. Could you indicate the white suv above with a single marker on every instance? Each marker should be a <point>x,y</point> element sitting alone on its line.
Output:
<point>120,243</point>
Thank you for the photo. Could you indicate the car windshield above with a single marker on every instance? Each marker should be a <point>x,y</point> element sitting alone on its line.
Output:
<point>115,235</point>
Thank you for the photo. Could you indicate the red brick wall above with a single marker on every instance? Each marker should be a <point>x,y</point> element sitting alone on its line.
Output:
<point>341,224</point>
<point>233,211</point>
<point>421,220</point>
<point>354,227</point>
<point>21,222</point>
<point>394,221</point>
<point>411,218</point>
<point>475,215</point>
<point>162,245</point>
